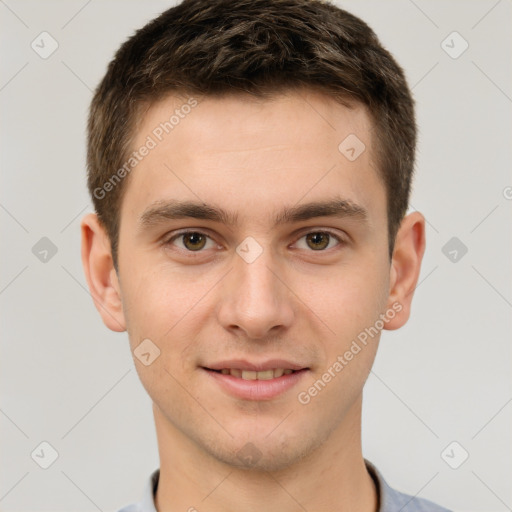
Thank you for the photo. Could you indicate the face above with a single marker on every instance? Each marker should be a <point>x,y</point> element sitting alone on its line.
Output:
<point>256,291</point>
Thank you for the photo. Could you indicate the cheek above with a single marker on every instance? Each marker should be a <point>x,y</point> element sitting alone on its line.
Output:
<point>350,304</point>
<point>350,298</point>
<point>158,298</point>
<point>162,306</point>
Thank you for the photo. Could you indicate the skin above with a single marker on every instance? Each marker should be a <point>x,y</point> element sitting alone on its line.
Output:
<point>253,157</point>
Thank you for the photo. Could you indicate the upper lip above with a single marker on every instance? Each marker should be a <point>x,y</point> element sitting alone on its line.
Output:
<point>242,364</point>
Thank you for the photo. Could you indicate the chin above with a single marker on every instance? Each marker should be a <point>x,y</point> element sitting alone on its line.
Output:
<point>262,453</point>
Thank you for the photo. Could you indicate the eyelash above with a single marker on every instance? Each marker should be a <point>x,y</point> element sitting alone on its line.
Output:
<point>341,240</point>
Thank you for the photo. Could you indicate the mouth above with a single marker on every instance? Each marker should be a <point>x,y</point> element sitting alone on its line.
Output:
<point>251,381</point>
<point>273,373</point>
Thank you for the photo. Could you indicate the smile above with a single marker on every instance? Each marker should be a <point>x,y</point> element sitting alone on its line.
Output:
<point>255,381</point>
<point>254,375</point>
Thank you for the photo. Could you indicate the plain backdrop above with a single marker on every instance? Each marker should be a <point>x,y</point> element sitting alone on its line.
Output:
<point>445,377</point>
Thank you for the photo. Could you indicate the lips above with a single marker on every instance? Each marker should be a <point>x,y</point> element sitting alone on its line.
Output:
<point>256,380</point>
<point>244,365</point>
<point>273,373</point>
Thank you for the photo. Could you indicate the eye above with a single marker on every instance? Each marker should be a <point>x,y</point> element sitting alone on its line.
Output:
<point>196,241</point>
<point>192,241</point>
<point>320,240</point>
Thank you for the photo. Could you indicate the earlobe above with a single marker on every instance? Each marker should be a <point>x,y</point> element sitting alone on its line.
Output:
<point>100,273</point>
<point>405,268</point>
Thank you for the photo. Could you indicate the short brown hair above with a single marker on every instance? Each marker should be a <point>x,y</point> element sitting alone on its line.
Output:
<point>217,47</point>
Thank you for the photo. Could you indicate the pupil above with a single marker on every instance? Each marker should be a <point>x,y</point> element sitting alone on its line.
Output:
<point>317,238</point>
<point>194,239</point>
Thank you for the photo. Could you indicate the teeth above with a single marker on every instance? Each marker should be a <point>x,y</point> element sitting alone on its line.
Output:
<point>253,375</point>
<point>266,375</point>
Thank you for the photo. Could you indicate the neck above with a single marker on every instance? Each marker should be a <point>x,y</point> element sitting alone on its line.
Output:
<point>333,477</point>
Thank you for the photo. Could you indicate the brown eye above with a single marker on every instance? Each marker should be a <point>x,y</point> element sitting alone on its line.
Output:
<point>318,240</point>
<point>190,241</point>
<point>193,241</point>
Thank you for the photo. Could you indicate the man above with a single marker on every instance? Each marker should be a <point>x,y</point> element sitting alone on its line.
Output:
<point>250,165</point>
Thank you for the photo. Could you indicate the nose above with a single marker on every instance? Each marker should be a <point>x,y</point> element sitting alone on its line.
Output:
<point>255,299</point>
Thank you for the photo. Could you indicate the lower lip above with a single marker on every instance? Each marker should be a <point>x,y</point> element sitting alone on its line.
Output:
<point>256,389</point>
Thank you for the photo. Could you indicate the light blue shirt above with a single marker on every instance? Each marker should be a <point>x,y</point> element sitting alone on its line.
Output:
<point>390,500</point>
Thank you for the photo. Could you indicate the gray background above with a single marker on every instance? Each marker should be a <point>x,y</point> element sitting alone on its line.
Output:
<point>444,377</point>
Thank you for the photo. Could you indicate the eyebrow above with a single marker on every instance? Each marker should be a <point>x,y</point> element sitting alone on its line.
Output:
<point>162,211</point>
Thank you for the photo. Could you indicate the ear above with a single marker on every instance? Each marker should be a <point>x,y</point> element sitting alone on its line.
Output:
<point>405,268</point>
<point>100,273</point>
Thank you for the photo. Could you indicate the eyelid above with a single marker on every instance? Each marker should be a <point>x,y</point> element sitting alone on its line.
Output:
<point>340,236</point>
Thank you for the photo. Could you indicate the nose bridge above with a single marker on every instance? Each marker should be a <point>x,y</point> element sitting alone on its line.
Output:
<point>256,279</point>
<point>254,299</point>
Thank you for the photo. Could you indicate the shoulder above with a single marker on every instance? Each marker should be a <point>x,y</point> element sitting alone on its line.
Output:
<point>146,504</point>
<point>133,507</point>
<point>397,501</point>
<point>392,500</point>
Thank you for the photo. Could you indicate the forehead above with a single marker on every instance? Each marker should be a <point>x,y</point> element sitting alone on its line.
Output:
<point>305,113</point>
<point>242,152</point>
